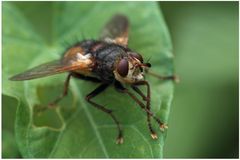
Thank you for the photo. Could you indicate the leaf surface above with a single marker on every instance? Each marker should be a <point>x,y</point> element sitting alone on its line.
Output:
<point>76,129</point>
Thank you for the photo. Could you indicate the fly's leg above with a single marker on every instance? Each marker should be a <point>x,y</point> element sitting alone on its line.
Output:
<point>54,102</point>
<point>160,123</point>
<point>172,77</point>
<point>94,93</point>
<point>120,88</point>
<point>66,85</point>
<point>148,98</point>
<point>136,89</point>
<point>65,92</point>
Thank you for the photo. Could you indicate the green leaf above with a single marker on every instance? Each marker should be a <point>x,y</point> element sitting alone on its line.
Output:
<point>9,146</point>
<point>76,129</point>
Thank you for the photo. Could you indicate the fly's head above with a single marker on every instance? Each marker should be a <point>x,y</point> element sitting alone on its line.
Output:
<point>129,69</point>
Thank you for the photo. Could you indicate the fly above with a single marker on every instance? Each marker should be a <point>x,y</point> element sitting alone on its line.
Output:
<point>107,61</point>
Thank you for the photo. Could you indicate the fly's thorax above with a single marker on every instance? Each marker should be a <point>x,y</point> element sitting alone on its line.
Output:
<point>128,70</point>
<point>105,58</point>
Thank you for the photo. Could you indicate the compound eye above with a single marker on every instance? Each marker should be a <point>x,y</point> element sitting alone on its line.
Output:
<point>122,67</point>
<point>136,55</point>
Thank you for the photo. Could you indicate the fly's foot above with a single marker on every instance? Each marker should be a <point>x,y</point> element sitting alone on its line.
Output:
<point>154,135</point>
<point>52,105</point>
<point>176,78</point>
<point>119,140</point>
<point>163,127</point>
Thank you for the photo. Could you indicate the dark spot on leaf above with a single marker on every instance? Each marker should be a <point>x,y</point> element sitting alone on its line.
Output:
<point>46,117</point>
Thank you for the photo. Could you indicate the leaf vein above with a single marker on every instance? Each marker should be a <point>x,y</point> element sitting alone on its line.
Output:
<point>91,119</point>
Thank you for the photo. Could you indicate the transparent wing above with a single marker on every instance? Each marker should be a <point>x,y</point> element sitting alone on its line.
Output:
<point>116,30</point>
<point>51,68</point>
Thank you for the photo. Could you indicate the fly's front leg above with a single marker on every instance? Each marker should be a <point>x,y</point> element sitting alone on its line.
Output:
<point>162,125</point>
<point>120,88</point>
<point>147,98</point>
<point>175,78</point>
<point>136,89</point>
<point>94,93</point>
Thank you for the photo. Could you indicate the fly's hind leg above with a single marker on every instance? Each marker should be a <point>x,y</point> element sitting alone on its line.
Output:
<point>65,92</point>
<point>53,104</point>
<point>66,86</point>
<point>94,93</point>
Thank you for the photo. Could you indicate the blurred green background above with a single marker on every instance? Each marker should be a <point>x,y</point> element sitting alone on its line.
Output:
<point>204,116</point>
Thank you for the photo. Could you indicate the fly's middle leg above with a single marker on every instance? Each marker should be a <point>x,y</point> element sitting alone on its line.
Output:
<point>94,93</point>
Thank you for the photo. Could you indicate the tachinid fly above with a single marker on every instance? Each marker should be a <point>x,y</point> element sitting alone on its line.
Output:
<point>106,61</point>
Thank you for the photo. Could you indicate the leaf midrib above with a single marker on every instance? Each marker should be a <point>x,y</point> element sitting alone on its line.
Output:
<point>90,118</point>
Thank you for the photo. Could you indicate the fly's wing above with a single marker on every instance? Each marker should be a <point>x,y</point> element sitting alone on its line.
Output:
<point>116,30</point>
<point>55,67</point>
